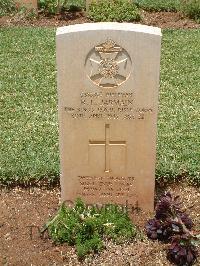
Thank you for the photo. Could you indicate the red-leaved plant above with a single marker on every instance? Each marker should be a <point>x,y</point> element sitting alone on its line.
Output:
<point>182,250</point>
<point>171,223</point>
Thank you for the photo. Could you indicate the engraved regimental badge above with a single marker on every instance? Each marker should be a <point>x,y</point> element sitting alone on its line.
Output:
<point>108,65</point>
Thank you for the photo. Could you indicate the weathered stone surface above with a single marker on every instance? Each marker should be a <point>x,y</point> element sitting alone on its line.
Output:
<point>108,79</point>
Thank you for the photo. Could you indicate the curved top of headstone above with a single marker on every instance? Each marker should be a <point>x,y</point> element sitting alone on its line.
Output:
<point>109,26</point>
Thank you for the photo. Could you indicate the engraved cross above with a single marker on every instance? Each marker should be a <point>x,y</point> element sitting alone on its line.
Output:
<point>107,143</point>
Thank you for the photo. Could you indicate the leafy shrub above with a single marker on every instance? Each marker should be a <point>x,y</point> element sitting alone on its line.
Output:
<point>19,11</point>
<point>114,10</point>
<point>23,12</point>
<point>51,7</point>
<point>169,219</point>
<point>158,5</point>
<point>86,227</point>
<point>182,250</point>
<point>73,5</point>
<point>171,223</point>
<point>192,9</point>
<point>6,7</point>
<point>48,6</point>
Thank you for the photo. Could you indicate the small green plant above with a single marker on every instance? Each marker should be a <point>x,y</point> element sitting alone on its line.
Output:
<point>158,5</point>
<point>52,7</point>
<point>191,8</point>
<point>7,7</point>
<point>73,5</point>
<point>48,6</point>
<point>25,13</point>
<point>87,226</point>
<point>114,10</point>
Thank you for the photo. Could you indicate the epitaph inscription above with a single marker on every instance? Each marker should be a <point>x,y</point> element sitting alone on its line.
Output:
<point>113,187</point>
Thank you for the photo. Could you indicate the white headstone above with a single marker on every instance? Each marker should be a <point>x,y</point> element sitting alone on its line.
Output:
<point>108,80</point>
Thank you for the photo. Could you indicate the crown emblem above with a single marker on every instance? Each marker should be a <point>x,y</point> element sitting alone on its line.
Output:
<point>108,47</point>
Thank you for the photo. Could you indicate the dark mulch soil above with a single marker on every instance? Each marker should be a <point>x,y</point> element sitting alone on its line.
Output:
<point>160,19</point>
<point>169,20</point>
<point>22,208</point>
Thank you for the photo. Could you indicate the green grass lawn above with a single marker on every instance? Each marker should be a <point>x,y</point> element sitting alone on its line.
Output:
<point>29,126</point>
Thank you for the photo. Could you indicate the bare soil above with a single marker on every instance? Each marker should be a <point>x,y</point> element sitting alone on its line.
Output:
<point>160,19</point>
<point>22,208</point>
